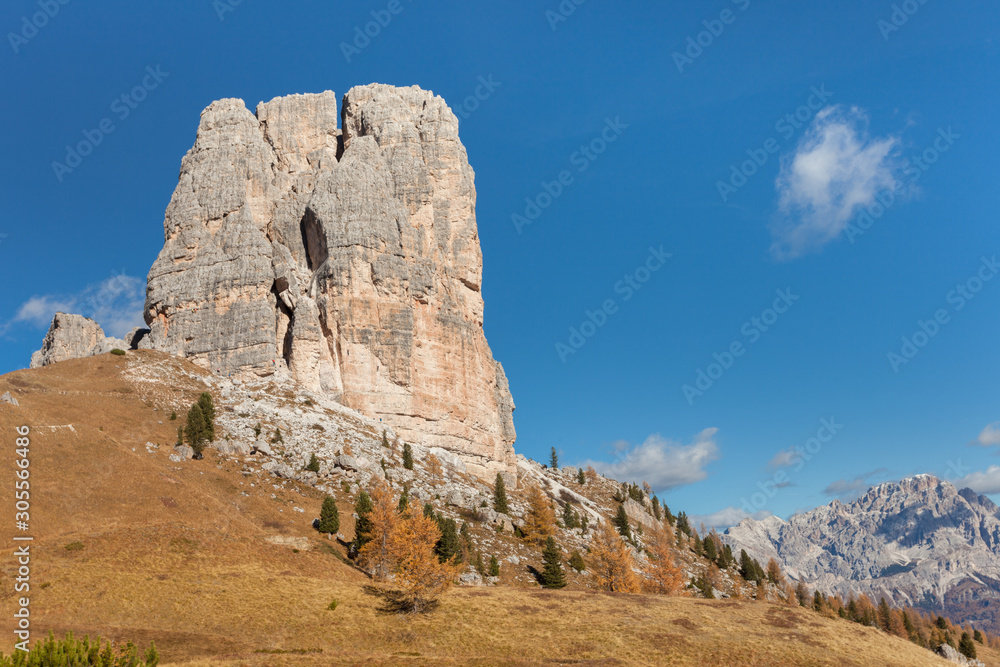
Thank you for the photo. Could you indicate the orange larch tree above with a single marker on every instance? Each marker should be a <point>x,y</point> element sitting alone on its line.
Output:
<point>664,575</point>
<point>377,554</point>
<point>613,561</point>
<point>421,577</point>
<point>541,520</point>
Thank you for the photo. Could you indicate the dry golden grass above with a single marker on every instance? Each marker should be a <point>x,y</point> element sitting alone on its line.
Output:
<point>175,553</point>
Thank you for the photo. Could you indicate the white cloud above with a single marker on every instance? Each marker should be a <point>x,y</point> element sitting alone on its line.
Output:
<point>664,463</point>
<point>835,171</point>
<point>784,458</point>
<point>989,436</point>
<point>116,304</point>
<point>848,490</point>
<point>726,518</point>
<point>987,481</point>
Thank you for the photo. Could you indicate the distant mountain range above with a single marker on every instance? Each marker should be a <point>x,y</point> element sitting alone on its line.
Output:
<point>920,542</point>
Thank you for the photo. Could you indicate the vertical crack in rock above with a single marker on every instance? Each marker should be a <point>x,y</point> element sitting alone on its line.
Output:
<point>346,257</point>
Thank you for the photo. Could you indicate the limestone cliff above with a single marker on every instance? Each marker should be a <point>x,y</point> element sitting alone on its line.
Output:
<point>347,257</point>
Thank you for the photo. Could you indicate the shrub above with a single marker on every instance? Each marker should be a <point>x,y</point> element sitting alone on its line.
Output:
<point>256,430</point>
<point>173,416</point>
<point>118,353</point>
<point>313,465</point>
<point>333,605</point>
<point>576,562</point>
<point>72,651</point>
<point>74,546</point>
<point>277,437</point>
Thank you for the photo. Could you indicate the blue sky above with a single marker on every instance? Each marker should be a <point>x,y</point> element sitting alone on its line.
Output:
<point>838,106</point>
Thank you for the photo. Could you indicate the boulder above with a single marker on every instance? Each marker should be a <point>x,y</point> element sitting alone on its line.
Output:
<point>262,446</point>
<point>352,463</point>
<point>7,398</point>
<point>184,452</point>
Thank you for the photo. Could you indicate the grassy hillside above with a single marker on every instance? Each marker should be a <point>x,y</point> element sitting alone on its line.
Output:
<point>220,572</point>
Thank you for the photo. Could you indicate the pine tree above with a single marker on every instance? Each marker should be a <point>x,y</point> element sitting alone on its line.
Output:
<point>621,523</point>
<point>313,465</point>
<point>711,552</point>
<point>966,647</point>
<point>385,439</point>
<point>404,500</point>
<point>818,601</point>
<point>697,545</point>
<point>208,410</point>
<point>683,526</point>
<point>978,636</point>
<point>884,616</point>
<point>576,562</point>
<point>552,572</point>
<point>407,456</point>
<point>448,546</point>
<point>329,517</point>
<point>277,437</point>
<point>725,560</point>
<point>569,517</point>
<point>500,496</point>
<point>581,479</point>
<point>656,509</point>
<point>363,525</point>
<point>584,523</point>
<point>180,436</point>
<point>195,431</point>
<point>428,510</point>
<point>480,566</point>
<point>554,460</point>
<point>494,567</point>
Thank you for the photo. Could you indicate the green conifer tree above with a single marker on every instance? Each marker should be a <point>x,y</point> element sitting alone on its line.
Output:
<point>277,437</point>
<point>656,509</point>
<point>966,647</point>
<point>576,562</point>
<point>194,432</point>
<point>581,478</point>
<point>448,546</point>
<point>554,460</point>
<point>313,465</point>
<point>407,456</point>
<point>404,499</point>
<point>621,523</point>
<point>494,567</point>
<point>363,506</point>
<point>711,552</point>
<point>329,517</point>
<point>208,410</point>
<point>552,572</point>
<point>500,495</point>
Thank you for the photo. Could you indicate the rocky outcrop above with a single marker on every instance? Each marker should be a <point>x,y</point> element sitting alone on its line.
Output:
<point>75,336</point>
<point>919,541</point>
<point>347,257</point>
